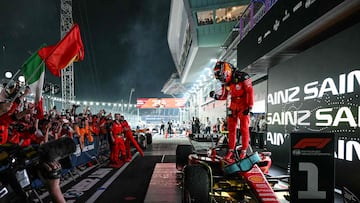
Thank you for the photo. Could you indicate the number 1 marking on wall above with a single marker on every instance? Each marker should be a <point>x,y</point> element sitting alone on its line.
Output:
<point>312,191</point>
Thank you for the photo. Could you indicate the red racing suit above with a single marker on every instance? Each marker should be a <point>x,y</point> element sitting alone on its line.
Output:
<point>242,99</point>
<point>130,139</point>
<point>5,120</point>
<point>118,144</point>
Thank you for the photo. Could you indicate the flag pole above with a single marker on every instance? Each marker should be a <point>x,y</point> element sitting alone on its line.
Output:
<point>11,79</point>
<point>31,77</point>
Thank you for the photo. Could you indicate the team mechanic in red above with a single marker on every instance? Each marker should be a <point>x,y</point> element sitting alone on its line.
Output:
<point>118,146</point>
<point>8,110</point>
<point>129,139</point>
<point>239,85</point>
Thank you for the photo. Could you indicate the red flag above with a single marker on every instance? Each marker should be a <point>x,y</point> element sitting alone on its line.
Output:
<point>39,109</point>
<point>69,49</point>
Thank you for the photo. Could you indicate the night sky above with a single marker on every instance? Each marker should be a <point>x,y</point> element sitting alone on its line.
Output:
<point>125,44</point>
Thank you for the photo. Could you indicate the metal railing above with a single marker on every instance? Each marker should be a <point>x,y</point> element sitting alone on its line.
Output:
<point>251,16</point>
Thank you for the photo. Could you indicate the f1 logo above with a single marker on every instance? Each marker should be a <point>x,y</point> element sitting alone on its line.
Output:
<point>318,143</point>
<point>312,167</point>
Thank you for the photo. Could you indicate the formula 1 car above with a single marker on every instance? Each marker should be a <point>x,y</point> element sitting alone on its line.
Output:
<point>206,177</point>
<point>143,137</point>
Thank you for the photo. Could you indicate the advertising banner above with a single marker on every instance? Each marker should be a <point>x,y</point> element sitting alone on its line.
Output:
<point>312,167</point>
<point>319,91</point>
<point>83,156</point>
<point>151,103</point>
<point>282,21</point>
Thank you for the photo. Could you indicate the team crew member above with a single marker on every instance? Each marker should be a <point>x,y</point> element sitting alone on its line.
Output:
<point>8,110</point>
<point>83,130</point>
<point>118,148</point>
<point>129,139</point>
<point>105,125</point>
<point>94,125</point>
<point>6,118</point>
<point>239,85</point>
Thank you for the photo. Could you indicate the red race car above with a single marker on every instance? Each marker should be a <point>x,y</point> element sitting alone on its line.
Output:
<point>206,177</point>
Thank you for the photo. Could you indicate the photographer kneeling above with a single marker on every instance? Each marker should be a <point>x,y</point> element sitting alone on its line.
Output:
<point>51,171</point>
<point>54,156</point>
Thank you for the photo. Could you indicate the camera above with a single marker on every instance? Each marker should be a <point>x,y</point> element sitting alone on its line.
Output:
<point>75,106</point>
<point>19,127</point>
<point>11,89</point>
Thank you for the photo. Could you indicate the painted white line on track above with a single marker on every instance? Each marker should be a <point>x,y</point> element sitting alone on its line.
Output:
<point>163,157</point>
<point>110,180</point>
<point>65,182</point>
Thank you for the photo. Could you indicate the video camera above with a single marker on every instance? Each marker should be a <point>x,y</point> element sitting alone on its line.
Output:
<point>20,166</point>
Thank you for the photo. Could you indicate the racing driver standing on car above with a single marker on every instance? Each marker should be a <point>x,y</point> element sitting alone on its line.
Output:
<point>239,85</point>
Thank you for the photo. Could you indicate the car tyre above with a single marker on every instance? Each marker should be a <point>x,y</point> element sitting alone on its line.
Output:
<point>142,141</point>
<point>196,185</point>
<point>148,138</point>
<point>182,154</point>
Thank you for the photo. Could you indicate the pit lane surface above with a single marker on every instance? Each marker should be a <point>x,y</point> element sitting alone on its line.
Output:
<point>101,183</point>
<point>133,182</point>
